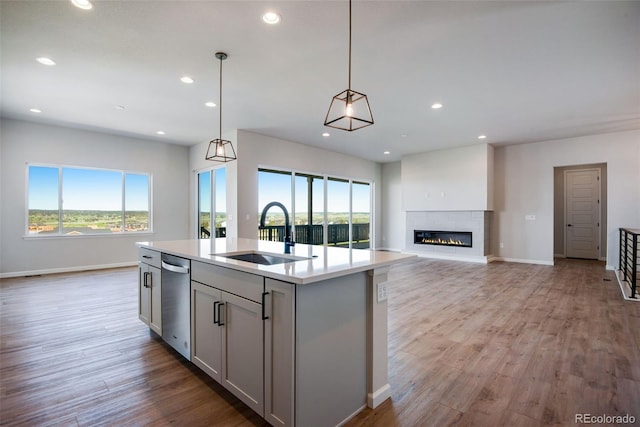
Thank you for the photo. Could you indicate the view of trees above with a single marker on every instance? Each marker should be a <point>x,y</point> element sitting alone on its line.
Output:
<point>86,221</point>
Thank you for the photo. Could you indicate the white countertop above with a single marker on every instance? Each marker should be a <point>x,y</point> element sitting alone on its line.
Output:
<point>322,263</point>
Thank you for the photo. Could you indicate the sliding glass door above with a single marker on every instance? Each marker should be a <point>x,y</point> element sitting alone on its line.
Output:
<point>322,210</point>
<point>309,209</point>
<point>274,186</point>
<point>338,212</point>
<point>360,215</point>
<point>212,197</point>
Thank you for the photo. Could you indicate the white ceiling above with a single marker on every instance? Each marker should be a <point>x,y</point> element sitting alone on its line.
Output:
<point>517,71</point>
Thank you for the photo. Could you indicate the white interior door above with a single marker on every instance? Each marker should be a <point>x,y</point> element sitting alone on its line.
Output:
<point>582,213</point>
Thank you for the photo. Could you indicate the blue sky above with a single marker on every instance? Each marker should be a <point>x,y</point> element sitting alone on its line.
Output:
<point>277,187</point>
<point>221,190</point>
<point>86,189</point>
<point>99,189</point>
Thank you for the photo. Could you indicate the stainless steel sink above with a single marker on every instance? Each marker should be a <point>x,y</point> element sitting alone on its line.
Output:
<point>262,258</point>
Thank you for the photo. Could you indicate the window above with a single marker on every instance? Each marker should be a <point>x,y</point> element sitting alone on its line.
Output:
<point>361,214</point>
<point>274,186</point>
<point>346,221</point>
<point>212,197</point>
<point>338,212</point>
<point>309,215</point>
<point>81,201</point>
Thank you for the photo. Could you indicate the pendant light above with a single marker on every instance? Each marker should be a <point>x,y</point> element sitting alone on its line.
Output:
<point>220,150</point>
<point>349,110</point>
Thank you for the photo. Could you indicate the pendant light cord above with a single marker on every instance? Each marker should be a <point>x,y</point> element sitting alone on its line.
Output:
<point>220,103</point>
<point>349,85</point>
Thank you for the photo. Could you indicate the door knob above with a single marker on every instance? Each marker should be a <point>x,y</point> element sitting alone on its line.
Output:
<point>569,225</point>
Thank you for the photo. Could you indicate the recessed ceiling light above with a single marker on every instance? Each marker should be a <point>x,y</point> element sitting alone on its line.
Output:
<point>35,110</point>
<point>82,4</point>
<point>436,106</point>
<point>271,18</point>
<point>404,135</point>
<point>119,107</point>
<point>210,104</point>
<point>482,136</point>
<point>387,152</point>
<point>46,61</point>
<point>326,134</point>
<point>186,79</point>
<point>160,132</point>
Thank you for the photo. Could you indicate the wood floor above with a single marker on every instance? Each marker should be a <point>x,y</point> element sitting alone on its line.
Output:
<point>486,345</point>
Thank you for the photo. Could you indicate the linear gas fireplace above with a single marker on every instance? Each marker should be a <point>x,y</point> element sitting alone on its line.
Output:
<point>461,239</point>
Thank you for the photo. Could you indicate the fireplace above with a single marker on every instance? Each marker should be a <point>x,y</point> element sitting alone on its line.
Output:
<point>460,239</point>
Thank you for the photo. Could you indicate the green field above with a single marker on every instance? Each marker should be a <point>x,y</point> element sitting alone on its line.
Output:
<point>86,222</point>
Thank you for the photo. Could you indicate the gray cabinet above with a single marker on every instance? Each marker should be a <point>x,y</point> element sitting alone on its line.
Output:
<point>296,355</point>
<point>279,335</point>
<point>150,289</point>
<point>206,335</point>
<point>242,350</point>
<point>227,330</point>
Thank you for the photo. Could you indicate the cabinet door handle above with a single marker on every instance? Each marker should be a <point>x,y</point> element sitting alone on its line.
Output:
<point>215,306</point>
<point>220,322</point>
<point>147,257</point>
<point>145,279</point>
<point>264,316</point>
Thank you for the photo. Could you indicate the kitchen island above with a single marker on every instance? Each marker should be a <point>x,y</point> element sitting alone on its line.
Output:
<point>301,338</point>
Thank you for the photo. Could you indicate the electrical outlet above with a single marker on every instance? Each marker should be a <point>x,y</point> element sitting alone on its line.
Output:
<point>382,292</point>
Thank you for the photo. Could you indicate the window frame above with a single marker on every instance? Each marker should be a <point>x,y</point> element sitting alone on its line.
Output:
<point>60,234</point>
<point>326,177</point>
<point>213,202</point>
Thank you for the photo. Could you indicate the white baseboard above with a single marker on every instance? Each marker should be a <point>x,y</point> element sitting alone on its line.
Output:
<point>625,288</point>
<point>476,259</point>
<point>377,397</point>
<point>66,269</point>
<point>521,261</point>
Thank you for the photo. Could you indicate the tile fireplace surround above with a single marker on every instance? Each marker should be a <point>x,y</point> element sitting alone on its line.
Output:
<point>477,222</point>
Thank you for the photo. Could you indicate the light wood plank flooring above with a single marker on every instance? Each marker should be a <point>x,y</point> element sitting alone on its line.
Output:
<point>487,345</point>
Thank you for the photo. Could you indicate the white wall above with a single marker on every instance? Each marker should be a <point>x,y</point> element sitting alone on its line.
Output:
<point>524,177</point>
<point>393,218</point>
<point>457,179</point>
<point>255,151</point>
<point>23,142</point>
<point>197,162</point>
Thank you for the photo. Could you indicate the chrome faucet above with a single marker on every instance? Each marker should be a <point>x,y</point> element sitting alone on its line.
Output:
<point>288,241</point>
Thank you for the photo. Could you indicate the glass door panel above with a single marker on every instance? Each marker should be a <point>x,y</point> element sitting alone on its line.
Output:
<point>338,212</point>
<point>360,215</point>
<point>204,205</point>
<point>309,202</point>
<point>273,186</point>
<point>220,193</point>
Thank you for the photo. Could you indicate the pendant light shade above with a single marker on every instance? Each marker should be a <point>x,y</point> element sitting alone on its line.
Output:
<point>349,110</point>
<point>220,150</point>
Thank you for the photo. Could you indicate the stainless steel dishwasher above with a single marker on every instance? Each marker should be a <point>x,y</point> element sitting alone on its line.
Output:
<point>176,306</point>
